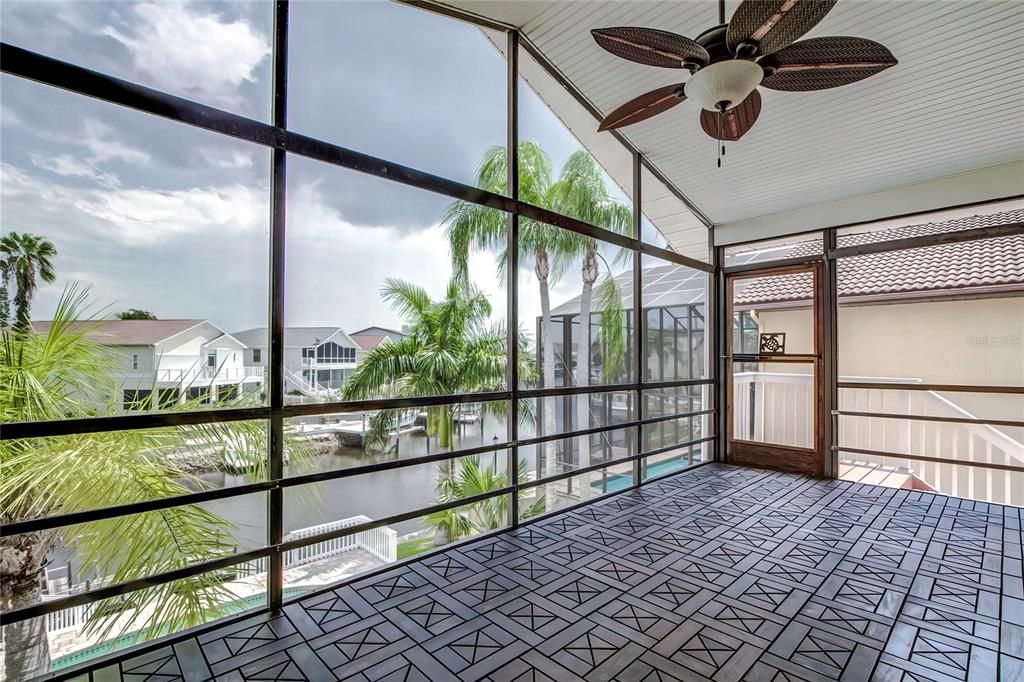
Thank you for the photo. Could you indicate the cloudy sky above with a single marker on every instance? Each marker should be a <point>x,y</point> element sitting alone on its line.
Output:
<point>156,215</point>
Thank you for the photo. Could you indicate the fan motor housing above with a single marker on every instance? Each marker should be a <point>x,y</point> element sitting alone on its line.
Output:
<point>713,40</point>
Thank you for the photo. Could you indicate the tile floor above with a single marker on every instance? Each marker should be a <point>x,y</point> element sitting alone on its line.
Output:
<point>719,573</point>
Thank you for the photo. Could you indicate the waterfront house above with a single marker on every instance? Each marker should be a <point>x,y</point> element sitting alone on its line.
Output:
<point>162,362</point>
<point>317,360</point>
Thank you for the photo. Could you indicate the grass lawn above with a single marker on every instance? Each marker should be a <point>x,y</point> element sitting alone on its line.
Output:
<point>415,546</point>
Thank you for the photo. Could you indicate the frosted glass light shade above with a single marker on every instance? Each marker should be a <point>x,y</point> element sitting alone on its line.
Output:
<point>729,81</point>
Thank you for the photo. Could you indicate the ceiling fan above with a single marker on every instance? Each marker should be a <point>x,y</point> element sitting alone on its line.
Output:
<point>729,61</point>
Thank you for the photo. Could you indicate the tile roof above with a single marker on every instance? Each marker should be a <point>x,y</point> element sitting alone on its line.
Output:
<point>948,268</point>
<point>125,332</point>
<point>988,264</point>
<point>368,341</point>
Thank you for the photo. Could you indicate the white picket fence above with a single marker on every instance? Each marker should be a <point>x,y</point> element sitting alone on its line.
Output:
<point>380,543</point>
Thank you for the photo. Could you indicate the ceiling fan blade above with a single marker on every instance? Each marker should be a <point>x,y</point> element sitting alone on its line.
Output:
<point>821,63</point>
<point>650,46</point>
<point>735,122</point>
<point>770,25</point>
<point>643,107</point>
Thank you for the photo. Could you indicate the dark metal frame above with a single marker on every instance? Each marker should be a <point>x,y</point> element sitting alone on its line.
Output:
<point>275,135</point>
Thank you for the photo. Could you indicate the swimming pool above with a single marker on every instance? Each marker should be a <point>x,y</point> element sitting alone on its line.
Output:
<point>617,482</point>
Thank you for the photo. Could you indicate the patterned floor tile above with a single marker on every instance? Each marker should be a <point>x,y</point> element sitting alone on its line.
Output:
<point>719,573</point>
<point>825,653</point>
<point>707,651</point>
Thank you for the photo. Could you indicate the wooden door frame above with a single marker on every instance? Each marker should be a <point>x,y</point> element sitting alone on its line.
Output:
<point>808,461</point>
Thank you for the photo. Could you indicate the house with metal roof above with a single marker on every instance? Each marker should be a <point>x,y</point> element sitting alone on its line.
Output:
<point>162,362</point>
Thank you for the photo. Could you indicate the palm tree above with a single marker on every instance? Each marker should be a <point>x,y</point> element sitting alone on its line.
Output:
<point>579,192</point>
<point>5,292</point>
<point>62,374</point>
<point>449,349</point>
<point>469,480</point>
<point>25,256</point>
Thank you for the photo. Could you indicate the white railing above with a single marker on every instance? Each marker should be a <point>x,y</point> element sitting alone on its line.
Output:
<point>67,619</point>
<point>956,442</point>
<point>327,361</point>
<point>192,374</point>
<point>775,407</point>
<point>308,387</point>
<point>380,543</point>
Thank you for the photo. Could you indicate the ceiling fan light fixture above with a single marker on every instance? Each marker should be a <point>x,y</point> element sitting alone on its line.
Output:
<point>724,83</point>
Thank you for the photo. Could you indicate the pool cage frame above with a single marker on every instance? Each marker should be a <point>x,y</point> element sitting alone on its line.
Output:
<point>23,63</point>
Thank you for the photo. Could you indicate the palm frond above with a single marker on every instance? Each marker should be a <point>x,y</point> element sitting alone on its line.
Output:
<point>381,367</point>
<point>612,325</point>
<point>406,299</point>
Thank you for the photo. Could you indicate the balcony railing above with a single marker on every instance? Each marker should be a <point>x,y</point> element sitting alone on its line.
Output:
<point>190,375</point>
<point>777,407</point>
<point>328,362</point>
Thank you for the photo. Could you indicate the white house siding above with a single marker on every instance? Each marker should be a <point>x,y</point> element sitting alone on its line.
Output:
<point>123,358</point>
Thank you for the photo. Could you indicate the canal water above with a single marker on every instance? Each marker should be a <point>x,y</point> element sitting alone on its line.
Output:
<point>376,495</point>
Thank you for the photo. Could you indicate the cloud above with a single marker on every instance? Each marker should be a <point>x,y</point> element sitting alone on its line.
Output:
<point>96,137</point>
<point>140,216</point>
<point>68,166</point>
<point>184,235</point>
<point>225,158</point>
<point>335,268</point>
<point>186,49</point>
<point>102,143</point>
<point>144,216</point>
<point>195,252</point>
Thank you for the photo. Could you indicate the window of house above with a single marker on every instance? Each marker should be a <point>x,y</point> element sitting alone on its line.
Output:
<point>225,393</point>
<point>211,359</point>
<point>200,394</point>
<point>257,355</point>
<point>136,400</point>
<point>135,360</point>
<point>168,397</point>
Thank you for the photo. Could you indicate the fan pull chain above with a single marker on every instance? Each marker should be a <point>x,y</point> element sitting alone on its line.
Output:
<point>719,143</point>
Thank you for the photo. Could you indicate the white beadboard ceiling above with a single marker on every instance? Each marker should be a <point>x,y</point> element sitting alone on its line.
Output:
<point>954,104</point>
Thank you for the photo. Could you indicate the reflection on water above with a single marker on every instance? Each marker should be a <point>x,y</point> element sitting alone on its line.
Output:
<point>376,495</point>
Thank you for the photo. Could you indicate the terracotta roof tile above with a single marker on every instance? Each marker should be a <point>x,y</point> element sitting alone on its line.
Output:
<point>948,268</point>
